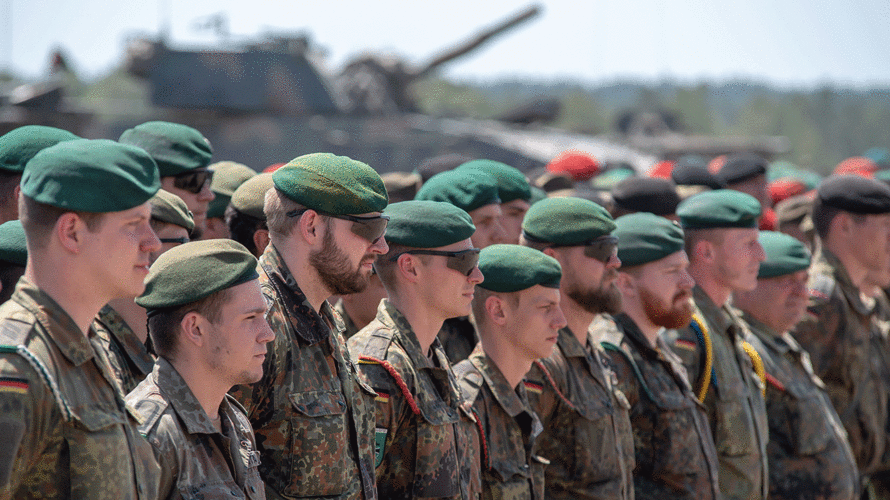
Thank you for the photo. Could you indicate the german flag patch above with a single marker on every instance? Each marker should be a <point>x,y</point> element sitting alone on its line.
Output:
<point>686,344</point>
<point>533,386</point>
<point>382,397</point>
<point>14,385</point>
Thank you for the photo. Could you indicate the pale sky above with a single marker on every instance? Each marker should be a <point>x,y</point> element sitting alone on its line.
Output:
<point>785,42</point>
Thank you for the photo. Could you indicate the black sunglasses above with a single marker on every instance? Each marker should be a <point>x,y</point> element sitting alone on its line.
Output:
<point>601,249</point>
<point>181,241</point>
<point>370,228</point>
<point>463,261</point>
<point>193,181</point>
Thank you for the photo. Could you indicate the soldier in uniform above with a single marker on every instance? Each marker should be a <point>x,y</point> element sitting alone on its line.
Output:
<point>312,413</point>
<point>514,191</point>
<point>121,326</point>
<point>245,219</point>
<point>720,232</point>
<point>13,257</point>
<point>587,434</point>
<point>67,431</point>
<point>808,450</point>
<point>851,215</point>
<point>227,177</point>
<point>424,446</point>
<point>207,322</point>
<point>517,311</point>
<point>675,454</point>
<point>359,309</point>
<point>182,155</point>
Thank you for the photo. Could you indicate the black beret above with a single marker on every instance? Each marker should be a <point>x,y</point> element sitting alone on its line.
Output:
<point>784,255</point>
<point>646,194</point>
<point>692,174</point>
<point>742,166</point>
<point>721,208</point>
<point>645,237</point>
<point>512,268</point>
<point>427,224</point>
<point>855,194</point>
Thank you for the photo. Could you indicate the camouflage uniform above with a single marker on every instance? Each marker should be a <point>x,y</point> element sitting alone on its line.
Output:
<point>79,439</point>
<point>425,446</point>
<point>458,338</point>
<point>735,404</point>
<point>196,460</point>
<point>509,427</point>
<point>808,450</point>
<point>349,328</point>
<point>840,333</point>
<point>587,435</point>
<point>675,454</point>
<point>130,360</point>
<point>312,414</point>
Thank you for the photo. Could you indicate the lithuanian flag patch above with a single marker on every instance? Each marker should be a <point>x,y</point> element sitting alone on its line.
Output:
<point>14,385</point>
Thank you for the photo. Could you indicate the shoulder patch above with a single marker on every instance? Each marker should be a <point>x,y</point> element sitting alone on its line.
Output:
<point>533,387</point>
<point>150,410</point>
<point>686,344</point>
<point>398,379</point>
<point>14,385</point>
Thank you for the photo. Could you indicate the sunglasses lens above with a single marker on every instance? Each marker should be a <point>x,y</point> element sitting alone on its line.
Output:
<point>370,229</point>
<point>602,250</point>
<point>193,182</point>
<point>463,263</point>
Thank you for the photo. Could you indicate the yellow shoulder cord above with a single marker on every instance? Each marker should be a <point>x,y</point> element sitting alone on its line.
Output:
<point>758,364</point>
<point>698,325</point>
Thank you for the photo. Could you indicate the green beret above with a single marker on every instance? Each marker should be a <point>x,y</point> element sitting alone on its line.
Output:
<point>91,176</point>
<point>721,208</point>
<point>190,272</point>
<point>855,194</point>
<point>511,268</point>
<point>337,185</point>
<point>176,148</point>
<point>512,184</point>
<point>427,224</point>
<point>227,176</point>
<point>610,178</point>
<point>167,207</point>
<point>566,221</point>
<point>13,246</point>
<point>784,255</point>
<point>466,189</point>
<point>18,146</point>
<point>250,196</point>
<point>538,194</point>
<point>644,237</point>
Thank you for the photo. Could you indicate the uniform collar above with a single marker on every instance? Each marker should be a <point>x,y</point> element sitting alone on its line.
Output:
<point>121,331</point>
<point>172,386</point>
<point>715,314</point>
<point>825,257</point>
<point>394,320</point>
<point>512,402</point>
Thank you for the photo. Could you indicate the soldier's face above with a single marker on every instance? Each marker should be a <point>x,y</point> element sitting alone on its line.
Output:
<point>168,232</point>
<point>590,282</point>
<point>738,258</point>
<point>445,289</point>
<point>664,289</point>
<point>345,260</point>
<point>513,213</point>
<point>875,230</point>
<point>489,229</point>
<point>236,346</point>
<point>779,302</point>
<point>197,203</point>
<point>536,318</point>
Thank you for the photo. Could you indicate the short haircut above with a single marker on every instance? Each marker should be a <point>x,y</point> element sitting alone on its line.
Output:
<point>164,324</point>
<point>692,237</point>
<point>823,215</point>
<point>38,220</point>
<point>537,245</point>
<point>387,269</point>
<point>276,205</point>
<point>481,295</point>
<point>243,226</point>
<point>8,183</point>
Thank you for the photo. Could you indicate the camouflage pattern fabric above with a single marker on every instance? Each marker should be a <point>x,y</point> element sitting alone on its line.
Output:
<point>427,444</point>
<point>734,400</point>
<point>68,433</point>
<point>130,360</point>
<point>312,414</point>
<point>196,460</point>
<point>587,435</point>
<point>675,453</point>
<point>808,450</point>
<point>509,427</point>
<point>349,328</point>
<point>840,333</point>
<point>458,338</point>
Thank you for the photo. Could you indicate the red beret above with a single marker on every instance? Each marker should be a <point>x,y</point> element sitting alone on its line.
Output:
<point>578,164</point>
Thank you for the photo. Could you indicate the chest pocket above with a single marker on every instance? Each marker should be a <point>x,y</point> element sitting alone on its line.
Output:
<point>596,441</point>
<point>436,469</point>
<point>811,431</point>
<point>318,435</point>
<point>99,451</point>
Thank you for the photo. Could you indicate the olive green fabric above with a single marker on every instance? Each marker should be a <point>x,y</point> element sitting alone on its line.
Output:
<point>721,208</point>
<point>427,224</point>
<point>855,194</point>
<point>18,146</point>
<point>167,207</point>
<point>511,268</point>
<point>192,271</point>
<point>467,189</point>
<point>227,176</point>
<point>334,184</point>
<point>250,196</point>
<point>784,255</point>
<point>512,184</point>
<point>13,246</point>
<point>91,176</point>
<point>644,237</point>
<point>174,147</point>
<point>566,221</point>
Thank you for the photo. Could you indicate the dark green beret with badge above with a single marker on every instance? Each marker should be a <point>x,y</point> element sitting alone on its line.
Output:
<point>250,196</point>
<point>176,148</point>
<point>721,208</point>
<point>227,176</point>
<point>13,246</point>
<point>18,146</point>
<point>467,189</point>
<point>192,271</point>
<point>427,224</point>
<point>91,176</point>
<point>566,221</point>
<point>512,184</point>
<point>167,207</point>
<point>855,194</point>
<point>337,185</point>
<point>511,268</point>
<point>644,237</point>
<point>784,255</point>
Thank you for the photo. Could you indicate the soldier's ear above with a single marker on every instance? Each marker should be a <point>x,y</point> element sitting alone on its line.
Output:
<point>310,226</point>
<point>408,267</point>
<point>67,231</point>
<point>626,284</point>
<point>194,328</point>
<point>495,310</point>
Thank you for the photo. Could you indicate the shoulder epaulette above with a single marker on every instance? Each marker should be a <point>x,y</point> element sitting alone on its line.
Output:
<point>708,373</point>
<point>151,411</point>
<point>633,364</point>
<point>757,362</point>
<point>469,379</point>
<point>549,378</point>
<point>368,360</point>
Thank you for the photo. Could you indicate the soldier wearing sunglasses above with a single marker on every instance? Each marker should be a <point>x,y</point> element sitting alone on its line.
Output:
<point>182,155</point>
<point>312,414</point>
<point>426,440</point>
<point>587,435</point>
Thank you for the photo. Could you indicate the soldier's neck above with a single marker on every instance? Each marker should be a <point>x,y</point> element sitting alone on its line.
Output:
<point>578,318</point>
<point>706,280</point>
<point>70,290</point>
<point>134,315</point>
<point>512,364</point>
<point>205,385</point>
<point>634,310</point>
<point>855,271</point>
<point>425,321</point>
